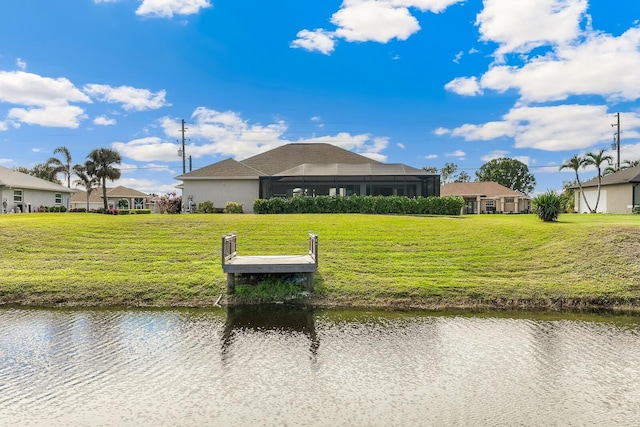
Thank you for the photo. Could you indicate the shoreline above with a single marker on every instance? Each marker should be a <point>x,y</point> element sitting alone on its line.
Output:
<point>568,305</point>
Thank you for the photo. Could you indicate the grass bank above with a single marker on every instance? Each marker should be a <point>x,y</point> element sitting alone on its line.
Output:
<point>475,261</point>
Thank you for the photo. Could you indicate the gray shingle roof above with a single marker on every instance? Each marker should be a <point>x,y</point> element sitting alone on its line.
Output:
<point>279,159</point>
<point>629,175</point>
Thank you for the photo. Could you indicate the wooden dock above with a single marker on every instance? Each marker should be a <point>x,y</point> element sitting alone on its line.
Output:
<point>233,264</point>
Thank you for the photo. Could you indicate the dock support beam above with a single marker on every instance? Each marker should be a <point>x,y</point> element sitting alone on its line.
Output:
<point>231,283</point>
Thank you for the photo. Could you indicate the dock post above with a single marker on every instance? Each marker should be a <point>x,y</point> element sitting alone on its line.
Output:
<point>309,282</point>
<point>231,283</point>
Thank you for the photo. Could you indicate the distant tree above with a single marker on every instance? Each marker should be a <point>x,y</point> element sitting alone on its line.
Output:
<point>447,173</point>
<point>431,169</point>
<point>597,159</point>
<point>86,180</point>
<point>170,203</point>
<point>511,173</point>
<point>62,166</point>
<point>100,163</point>
<point>568,194</point>
<point>575,163</point>
<point>42,171</point>
<point>462,177</point>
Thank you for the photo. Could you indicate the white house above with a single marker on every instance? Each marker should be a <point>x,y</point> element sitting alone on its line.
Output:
<point>21,192</point>
<point>302,168</point>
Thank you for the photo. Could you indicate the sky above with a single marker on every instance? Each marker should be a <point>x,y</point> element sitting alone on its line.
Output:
<point>419,82</point>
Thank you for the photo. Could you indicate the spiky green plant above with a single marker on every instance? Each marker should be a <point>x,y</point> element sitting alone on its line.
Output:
<point>548,206</point>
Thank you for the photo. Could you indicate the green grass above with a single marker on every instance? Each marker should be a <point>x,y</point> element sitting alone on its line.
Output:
<point>364,260</point>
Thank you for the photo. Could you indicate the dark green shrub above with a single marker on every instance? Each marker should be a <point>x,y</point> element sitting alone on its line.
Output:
<point>382,205</point>
<point>233,208</point>
<point>206,207</point>
<point>548,206</point>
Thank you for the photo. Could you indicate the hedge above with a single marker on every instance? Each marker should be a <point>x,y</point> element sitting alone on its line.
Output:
<point>446,205</point>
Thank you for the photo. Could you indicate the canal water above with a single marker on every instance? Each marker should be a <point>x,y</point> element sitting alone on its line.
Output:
<point>282,366</point>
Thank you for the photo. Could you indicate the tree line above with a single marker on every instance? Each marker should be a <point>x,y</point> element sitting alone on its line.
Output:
<point>100,165</point>
<point>511,173</point>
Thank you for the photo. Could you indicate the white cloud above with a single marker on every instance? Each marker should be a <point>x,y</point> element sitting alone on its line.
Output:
<point>319,40</point>
<point>148,149</point>
<point>131,98</point>
<point>602,65</point>
<point>464,86</point>
<point>431,156</point>
<point>457,153</point>
<point>36,150</point>
<point>458,57</point>
<point>228,134</point>
<point>370,20</point>
<point>168,8</point>
<point>555,128</point>
<point>104,121</point>
<point>19,87</point>
<point>520,26</point>
<point>400,145</point>
<point>6,161</point>
<point>441,131</point>
<point>21,64</point>
<point>67,116</point>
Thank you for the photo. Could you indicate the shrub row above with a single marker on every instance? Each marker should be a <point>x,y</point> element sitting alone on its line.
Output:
<point>52,209</point>
<point>229,207</point>
<point>446,205</point>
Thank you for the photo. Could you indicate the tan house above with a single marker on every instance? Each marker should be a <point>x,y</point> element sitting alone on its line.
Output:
<point>118,197</point>
<point>488,197</point>
<point>619,193</point>
<point>302,168</point>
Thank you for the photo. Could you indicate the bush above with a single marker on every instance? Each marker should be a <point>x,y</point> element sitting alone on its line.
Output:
<point>447,205</point>
<point>206,207</point>
<point>548,206</point>
<point>233,208</point>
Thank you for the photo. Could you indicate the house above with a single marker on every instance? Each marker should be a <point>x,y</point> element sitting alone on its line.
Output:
<point>117,197</point>
<point>488,197</point>
<point>21,192</point>
<point>302,169</point>
<point>619,193</point>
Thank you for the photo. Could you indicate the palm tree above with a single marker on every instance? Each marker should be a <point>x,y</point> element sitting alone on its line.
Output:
<point>85,179</point>
<point>62,166</point>
<point>100,164</point>
<point>597,159</point>
<point>629,164</point>
<point>575,163</point>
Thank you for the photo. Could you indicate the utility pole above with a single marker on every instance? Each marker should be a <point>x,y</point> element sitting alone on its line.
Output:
<point>182,152</point>
<point>617,141</point>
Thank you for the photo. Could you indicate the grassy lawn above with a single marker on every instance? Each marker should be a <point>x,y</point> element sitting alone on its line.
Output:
<point>365,260</point>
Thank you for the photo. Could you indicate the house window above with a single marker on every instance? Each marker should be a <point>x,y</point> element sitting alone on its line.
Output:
<point>58,197</point>
<point>508,200</point>
<point>17,196</point>
<point>138,203</point>
<point>489,204</point>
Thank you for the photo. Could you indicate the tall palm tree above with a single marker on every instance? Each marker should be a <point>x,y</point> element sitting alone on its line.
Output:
<point>575,163</point>
<point>597,159</point>
<point>85,179</point>
<point>629,164</point>
<point>64,165</point>
<point>100,164</point>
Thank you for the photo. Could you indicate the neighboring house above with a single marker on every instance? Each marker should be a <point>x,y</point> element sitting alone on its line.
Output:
<point>21,192</point>
<point>302,168</point>
<point>118,197</point>
<point>619,193</point>
<point>488,197</point>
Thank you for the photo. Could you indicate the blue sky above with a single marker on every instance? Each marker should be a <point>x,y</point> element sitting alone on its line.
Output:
<point>420,82</point>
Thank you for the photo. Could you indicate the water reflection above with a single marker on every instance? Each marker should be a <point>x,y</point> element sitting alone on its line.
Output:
<point>278,318</point>
<point>249,366</point>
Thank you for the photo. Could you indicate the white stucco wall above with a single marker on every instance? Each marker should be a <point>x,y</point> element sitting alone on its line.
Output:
<point>591,194</point>
<point>35,198</point>
<point>220,192</point>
